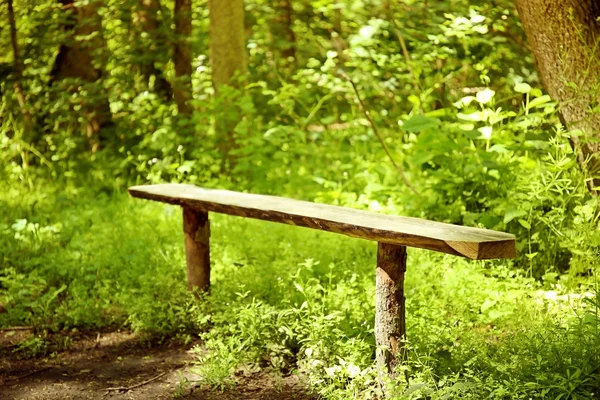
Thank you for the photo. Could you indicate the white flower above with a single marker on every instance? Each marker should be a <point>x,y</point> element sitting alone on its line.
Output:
<point>485,96</point>
<point>486,132</point>
<point>353,370</point>
<point>316,363</point>
<point>374,206</point>
<point>477,18</point>
<point>465,101</point>
<point>367,31</point>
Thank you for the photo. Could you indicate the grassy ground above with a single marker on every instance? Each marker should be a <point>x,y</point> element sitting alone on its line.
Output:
<point>289,299</point>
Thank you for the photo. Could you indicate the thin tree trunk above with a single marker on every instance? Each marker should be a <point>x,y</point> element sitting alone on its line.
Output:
<point>337,34</point>
<point>227,59</point>
<point>75,59</point>
<point>565,38</point>
<point>182,57</point>
<point>18,71</point>
<point>286,31</point>
<point>154,46</point>
<point>337,17</point>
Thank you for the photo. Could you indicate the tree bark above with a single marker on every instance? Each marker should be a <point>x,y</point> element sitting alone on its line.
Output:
<point>154,47</point>
<point>565,38</point>
<point>227,60</point>
<point>390,325</point>
<point>18,71</point>
<point>227,41</point>
<point>182,56</point>
<point>75,59</point>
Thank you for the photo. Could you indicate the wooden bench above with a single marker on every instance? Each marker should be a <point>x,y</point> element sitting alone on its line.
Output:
<point>392,233</point>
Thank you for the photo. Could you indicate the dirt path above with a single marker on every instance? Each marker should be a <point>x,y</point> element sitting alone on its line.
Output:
<point>95,367</point>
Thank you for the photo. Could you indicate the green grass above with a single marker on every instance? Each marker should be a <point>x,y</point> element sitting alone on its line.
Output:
<point>288,298</point>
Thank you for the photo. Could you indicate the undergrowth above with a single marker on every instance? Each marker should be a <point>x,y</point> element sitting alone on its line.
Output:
<point>292,300</point>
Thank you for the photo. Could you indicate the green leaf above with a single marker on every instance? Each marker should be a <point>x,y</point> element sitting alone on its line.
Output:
<point>419,123</point>
<point>513,213</point>
<point>499,148</point>
<point>531,256</point>
<point>184,168</point>
<point>440,112</point>
<point>19,225</point>
<point>298,287</point>
<point>475,116</point>
<point>522,88</point>
<point>487,304</point>
<point>421,157</point>
<point>414,100</point>
<point>535,92</point>
<point>525,224</point>
<point>489,220</point>
<point>539,101</point>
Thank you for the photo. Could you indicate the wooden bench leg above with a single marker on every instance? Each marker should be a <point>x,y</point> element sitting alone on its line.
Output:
<point>196,229</point>
<point>390,325</point>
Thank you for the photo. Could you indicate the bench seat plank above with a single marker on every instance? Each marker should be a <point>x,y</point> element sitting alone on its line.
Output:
<point>469,242</point>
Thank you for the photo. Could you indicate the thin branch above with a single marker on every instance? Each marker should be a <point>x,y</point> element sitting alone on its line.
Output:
<point>405,51</point>
<point>18,378</point>
<point>18,68</point>
<point>127,388</point>
<point>376,131</point>
<point>17,328</point>
<point>36,152</point>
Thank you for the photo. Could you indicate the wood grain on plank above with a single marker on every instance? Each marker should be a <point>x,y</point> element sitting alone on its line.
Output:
<point>464,241</point>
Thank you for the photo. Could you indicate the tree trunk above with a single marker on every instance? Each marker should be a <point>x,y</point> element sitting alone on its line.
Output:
<point>227,41</point>
<point>337,34</point>
<point>182,57</point>
<point>564,36</point>
<point>227,58</point>
<point>154,47</point>
<point>18,72</point>
<point>285,33</point>
<point>75,59</point>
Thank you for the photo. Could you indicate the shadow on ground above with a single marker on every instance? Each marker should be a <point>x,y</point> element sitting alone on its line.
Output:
<point>117,365</point>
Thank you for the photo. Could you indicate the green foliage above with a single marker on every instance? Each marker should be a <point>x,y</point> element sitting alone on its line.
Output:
<point>287,299</point>
<point>34,347</point>
<point>459,106</point>
<point>69,277</point>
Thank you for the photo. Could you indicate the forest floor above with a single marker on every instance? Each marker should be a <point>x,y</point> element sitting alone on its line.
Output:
<point>117,365</point>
